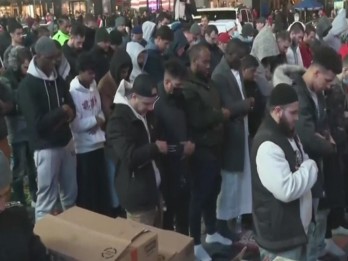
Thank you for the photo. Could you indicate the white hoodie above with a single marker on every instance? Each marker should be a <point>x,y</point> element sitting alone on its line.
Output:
<point>88,106</point>
<point>148,27</point>
<point>134,49</point>
<point>120,98</point>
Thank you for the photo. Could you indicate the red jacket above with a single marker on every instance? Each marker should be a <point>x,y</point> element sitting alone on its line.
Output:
<point>343,50</point>
<point>306,53</point>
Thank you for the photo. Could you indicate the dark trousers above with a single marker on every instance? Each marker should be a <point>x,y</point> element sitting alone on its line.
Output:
<point>176,194</point>
<point>205,187</point>
<point>92,182</point>
<point>23,164</point>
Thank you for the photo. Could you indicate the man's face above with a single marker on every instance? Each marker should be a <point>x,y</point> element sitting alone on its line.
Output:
<point>202,64</point>
<point>212,38</point>
<point>288,116</point>
<point>5,194</point>
<point>124,72</point>
<point>17,36</point>
<point>141,59</point>
<point>88,76</point>
<point>283,45</point>
<point>296,38</point>
<point>92,24</point>
<point>204,22</point>
<point>105,46</point>
<point>24,67</point>
<point>137,37</point>
<point>165,21</point>
<point>172,85</point>
<point>121,28</point>
<point>143,105</point>
<point>47,63</point>
<point>65,27</point>
<point>77,42</point>
<point>189,37</point>
<point>249,74</point>
<point>222,47</point>
<point>323,80</point>
<point>259,26</point>
<point>162,44</point>
<point>309,38</point>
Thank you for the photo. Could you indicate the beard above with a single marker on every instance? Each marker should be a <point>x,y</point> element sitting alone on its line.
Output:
<point>285,128</point>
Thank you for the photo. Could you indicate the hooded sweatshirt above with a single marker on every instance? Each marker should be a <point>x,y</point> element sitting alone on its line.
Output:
<point>339,26</point>
<point>40,98</point>
<point>108,84</point>
<point>134,49</point>
<point>293,54</point>
<point>88,107</point>
<point>265,45</point>
<point>148,30</point>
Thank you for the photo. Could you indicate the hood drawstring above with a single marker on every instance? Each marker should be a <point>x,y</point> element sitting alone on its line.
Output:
<point>48,95</point>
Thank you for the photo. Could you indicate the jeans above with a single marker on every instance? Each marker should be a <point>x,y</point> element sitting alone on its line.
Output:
<point>205,187</point>
<point>296,254</point>
<point>111,173</point>
<point>316,235</point>
<point>56,174</point>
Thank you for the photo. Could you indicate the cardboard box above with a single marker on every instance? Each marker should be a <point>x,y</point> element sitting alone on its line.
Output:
<point>79,234</point>
<point>172,246</point>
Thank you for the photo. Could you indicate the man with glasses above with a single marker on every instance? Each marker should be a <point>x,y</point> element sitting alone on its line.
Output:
<point>48,108</point>
<point>130,134</point>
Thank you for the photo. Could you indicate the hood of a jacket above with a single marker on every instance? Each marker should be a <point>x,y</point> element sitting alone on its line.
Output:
<point>134,49</point>
<point>120,59</point>
<point>36,72</point>
<point>151,45</point>
<point>323,26</point>
<point>265,44</point>
<point>64,67</point>
<point>148,29</point>
<point>285,74</point>
<point>76,85</point>
<point>178,43</point>
<point>339,24</point>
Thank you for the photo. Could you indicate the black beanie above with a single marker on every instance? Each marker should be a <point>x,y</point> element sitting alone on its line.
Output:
<point>144,86</point>
<point>101,35</point>
<point>282,94</point>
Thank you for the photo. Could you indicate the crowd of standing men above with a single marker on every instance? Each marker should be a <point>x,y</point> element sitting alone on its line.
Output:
<point>169,125</point>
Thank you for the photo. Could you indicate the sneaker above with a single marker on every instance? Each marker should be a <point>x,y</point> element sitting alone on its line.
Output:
<point>340,231</point>
<point>201,254</point>
<point>217,238</point>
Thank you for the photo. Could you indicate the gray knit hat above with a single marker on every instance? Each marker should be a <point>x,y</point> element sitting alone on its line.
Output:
<point>120,21</point>
<point>45,46</point>
<point>195,29</point>
<point>5,171</point>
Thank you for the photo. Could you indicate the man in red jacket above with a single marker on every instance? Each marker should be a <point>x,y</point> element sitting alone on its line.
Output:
<point>305,46</point>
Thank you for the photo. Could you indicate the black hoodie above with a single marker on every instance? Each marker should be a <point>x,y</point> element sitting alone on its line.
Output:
<point>102,60</point>
<point>71,55</point>
<point>40,99</point>
<point>109,83</point>
<point>89,39</point>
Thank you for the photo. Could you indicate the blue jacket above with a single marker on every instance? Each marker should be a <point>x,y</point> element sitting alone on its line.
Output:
<point>154,62</point>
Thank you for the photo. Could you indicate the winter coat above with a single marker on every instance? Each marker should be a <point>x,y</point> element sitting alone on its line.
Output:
<point>137,177</point>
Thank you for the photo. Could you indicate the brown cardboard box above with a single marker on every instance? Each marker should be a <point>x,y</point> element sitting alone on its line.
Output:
<point>78,234</point>
<point>172,246</point>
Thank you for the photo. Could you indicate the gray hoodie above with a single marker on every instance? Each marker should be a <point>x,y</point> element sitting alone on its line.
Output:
<point>265,45</point>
